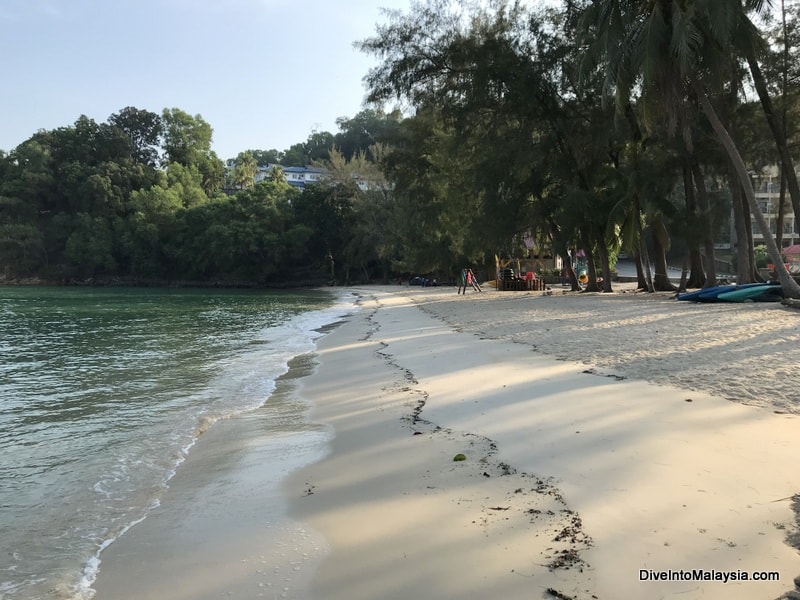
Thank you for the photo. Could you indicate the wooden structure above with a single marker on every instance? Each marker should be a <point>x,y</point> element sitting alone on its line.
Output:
<point>518,274</point>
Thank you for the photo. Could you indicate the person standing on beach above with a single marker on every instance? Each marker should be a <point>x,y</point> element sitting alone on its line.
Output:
<point>462,282</point>
<point>473,281</point>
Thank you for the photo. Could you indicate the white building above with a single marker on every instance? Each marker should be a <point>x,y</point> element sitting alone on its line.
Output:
<point>300,177</point>
<point>767,186</point>
<point>297,176</point>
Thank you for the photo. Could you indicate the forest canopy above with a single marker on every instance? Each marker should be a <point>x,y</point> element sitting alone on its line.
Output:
<point>142,198</point>
<point>605,127</point>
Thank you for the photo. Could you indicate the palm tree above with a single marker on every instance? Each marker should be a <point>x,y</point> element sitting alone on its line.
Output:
<point>277,174</point>
<point>751,45</point>
<point>244,174</point>
<point>667,51</point>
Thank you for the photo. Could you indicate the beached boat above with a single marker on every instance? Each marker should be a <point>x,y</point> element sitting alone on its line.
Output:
<point>707,294</point>
<point>713,294</point>
<point>756,293</point>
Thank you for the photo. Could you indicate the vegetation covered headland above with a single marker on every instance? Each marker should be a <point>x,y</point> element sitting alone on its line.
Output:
<point>664,130</point>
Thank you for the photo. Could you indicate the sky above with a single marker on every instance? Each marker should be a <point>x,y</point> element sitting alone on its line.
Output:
<point>263,73</point>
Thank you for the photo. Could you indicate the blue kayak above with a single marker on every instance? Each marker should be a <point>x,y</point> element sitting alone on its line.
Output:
<point>761,293</point>
<point>707,294</point>
<point>712,294</point>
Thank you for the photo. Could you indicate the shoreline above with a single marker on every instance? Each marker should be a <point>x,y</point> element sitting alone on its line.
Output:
<point>576,479</point>
<point>222,528</point>
<point>404,518</point>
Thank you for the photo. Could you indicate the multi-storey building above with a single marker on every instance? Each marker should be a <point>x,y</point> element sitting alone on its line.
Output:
<point>297,176</point>
<point>300,177</point>
<point>767,185</point>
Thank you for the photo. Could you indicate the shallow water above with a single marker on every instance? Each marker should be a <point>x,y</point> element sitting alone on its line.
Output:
<point>103,393</point>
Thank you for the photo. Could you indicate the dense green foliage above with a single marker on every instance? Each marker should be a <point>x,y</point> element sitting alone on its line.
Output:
<point>604,126</point>
<point>600,125</point>
<point>143,198</point>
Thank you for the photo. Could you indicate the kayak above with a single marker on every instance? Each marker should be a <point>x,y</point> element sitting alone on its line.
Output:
<point>707,294</point>
<point>713,294</point>
<point>766,292</point>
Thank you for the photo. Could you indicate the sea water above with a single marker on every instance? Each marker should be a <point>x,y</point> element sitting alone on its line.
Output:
<point>103,392</point>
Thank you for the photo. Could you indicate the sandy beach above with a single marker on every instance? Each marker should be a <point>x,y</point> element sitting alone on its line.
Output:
<point>614,446</point>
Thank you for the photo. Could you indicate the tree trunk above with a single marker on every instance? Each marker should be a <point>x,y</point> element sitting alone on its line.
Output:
<point>648,273</point>
<point>744,250</point>
<point>790,287</point>
<point>641,281</point>
<point>751,248</point>
<point>643,276</point>
<point>684,273</point>
<point>705,219</point>
<point>571,276</point>
<point>563,250</point>
<point>591,270</point>
<point>697,276</point>
<point>781,213</point>
<point>787,165</point>
<point>605,266</point>
<point>661,282</point>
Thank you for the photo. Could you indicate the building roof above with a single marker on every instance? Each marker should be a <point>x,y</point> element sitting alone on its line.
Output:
<point>300,169</point>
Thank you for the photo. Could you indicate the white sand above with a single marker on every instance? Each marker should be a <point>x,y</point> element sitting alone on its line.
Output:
<point>574,482</point>
<point>658,482</point>
<point>744,352</point>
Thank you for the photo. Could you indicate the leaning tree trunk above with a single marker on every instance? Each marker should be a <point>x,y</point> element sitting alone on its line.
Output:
<point>791,289</point>
<point>787,165</point>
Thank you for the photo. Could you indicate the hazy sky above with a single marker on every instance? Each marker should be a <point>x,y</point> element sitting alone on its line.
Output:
<point>263,73</point>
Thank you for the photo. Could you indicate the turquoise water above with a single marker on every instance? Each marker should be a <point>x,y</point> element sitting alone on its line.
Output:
<point>102,395</point>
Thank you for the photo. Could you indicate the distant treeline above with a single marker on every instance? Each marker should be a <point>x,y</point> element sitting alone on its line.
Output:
<point>142,198</point>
